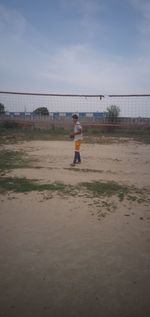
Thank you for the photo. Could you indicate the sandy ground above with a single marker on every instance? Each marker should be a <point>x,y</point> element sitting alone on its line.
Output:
<point>58,257</point>
<point>128,162</point>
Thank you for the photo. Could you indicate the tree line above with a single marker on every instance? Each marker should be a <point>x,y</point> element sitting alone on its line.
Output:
<point>112,113</point>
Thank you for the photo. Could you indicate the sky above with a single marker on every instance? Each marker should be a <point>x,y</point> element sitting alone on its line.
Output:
<point>75,46</point>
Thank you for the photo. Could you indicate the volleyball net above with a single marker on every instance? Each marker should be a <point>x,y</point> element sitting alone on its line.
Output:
<point>92,109</point>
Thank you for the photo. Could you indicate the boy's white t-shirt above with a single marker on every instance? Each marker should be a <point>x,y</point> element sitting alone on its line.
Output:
<point>78,127</point>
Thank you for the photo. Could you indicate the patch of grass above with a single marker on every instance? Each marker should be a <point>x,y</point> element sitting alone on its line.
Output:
<point>12,159</point>
<point>46,134</point>
<point>109,188</point>
<point>23,184</point>
<point>96,190</point>
<point>13,132</point>
<point>106,135</point>
<point>16,134</point>
<point>121,195</point>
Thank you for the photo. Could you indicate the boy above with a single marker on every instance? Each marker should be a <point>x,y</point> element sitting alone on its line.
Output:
<point>77,136</point>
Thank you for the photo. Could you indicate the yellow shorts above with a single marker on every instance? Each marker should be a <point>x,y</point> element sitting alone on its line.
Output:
<point>77,145</point>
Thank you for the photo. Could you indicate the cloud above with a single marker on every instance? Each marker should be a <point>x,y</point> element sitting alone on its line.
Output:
<point>29,61</point>
<point>85,70</point>
<point>11,22</point>
<point>89,12</point>
<point>143,8</point>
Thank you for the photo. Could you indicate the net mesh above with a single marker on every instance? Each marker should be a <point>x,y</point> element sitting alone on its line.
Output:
<point>90,108</point>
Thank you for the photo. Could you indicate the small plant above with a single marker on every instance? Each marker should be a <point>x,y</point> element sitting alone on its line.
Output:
<point>110,188</point>
<point>43,111</point>
<point>2,109</point>
<point>121,195</point>
<point>113,113</point>
<point>22,185</point>
<point>12,159</point>
<point>10,124</point>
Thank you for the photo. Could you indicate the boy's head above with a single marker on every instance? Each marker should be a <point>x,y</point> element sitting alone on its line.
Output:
<point>75,118</point>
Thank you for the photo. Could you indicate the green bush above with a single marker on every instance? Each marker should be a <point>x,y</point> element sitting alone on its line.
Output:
<point>10,124</point>
<point>43,111</point>
<point>2,109</point>
<point>113,113</point>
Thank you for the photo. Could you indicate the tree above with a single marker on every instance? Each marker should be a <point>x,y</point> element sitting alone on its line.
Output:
<point>113,113</point>
<point>2,108</point>
<point>41,111</point>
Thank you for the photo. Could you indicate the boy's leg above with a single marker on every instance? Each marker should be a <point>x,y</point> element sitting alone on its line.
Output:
<point>77,158</point>
<point>78,151</point>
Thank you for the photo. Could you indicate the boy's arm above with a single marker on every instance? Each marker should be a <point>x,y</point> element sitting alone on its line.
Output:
<point>76,133</point>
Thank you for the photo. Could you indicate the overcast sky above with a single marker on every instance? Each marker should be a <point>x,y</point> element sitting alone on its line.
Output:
<point>75,46</point>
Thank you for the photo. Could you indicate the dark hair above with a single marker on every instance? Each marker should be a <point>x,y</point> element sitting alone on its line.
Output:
<point>74,116</point>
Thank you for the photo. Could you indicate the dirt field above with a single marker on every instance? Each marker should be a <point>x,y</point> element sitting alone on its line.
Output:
<point>77,255</point>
